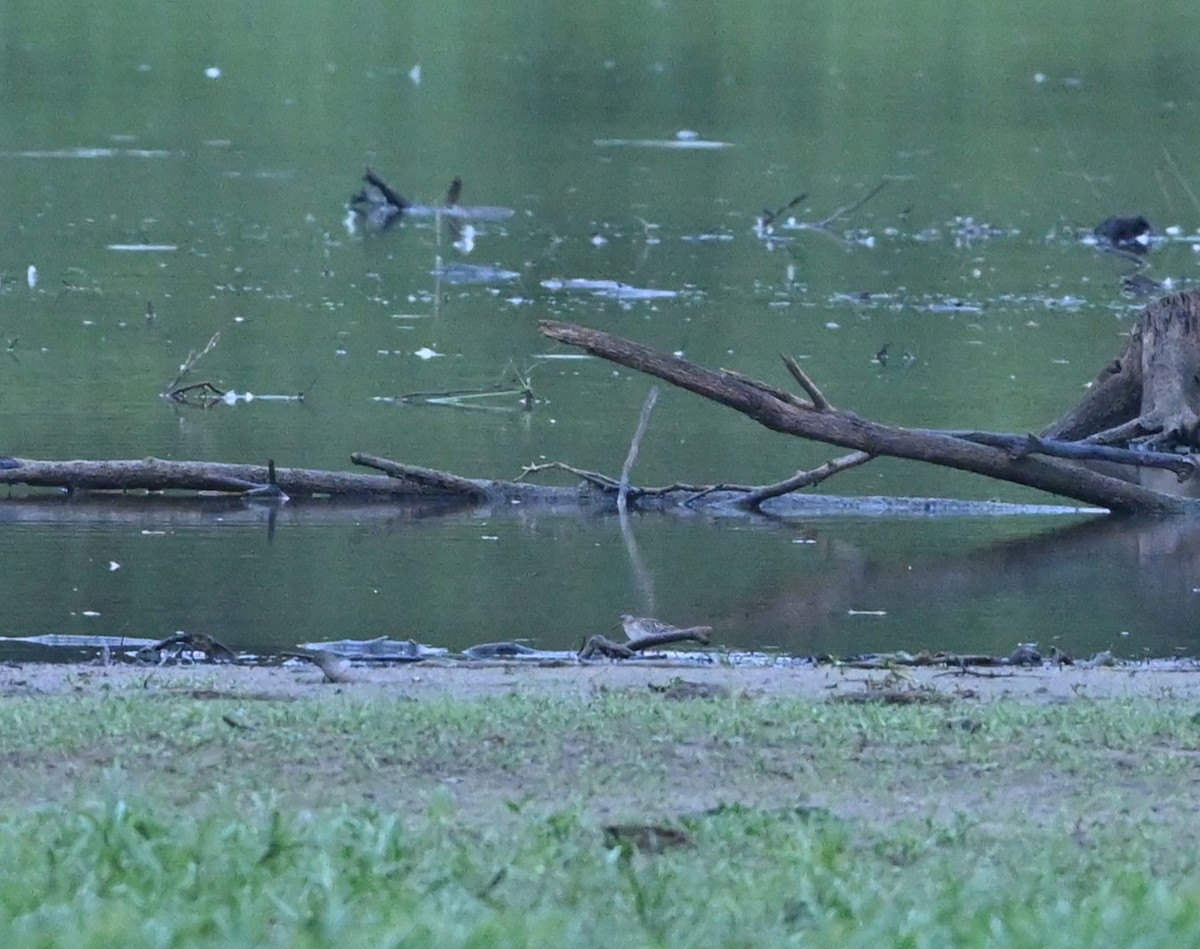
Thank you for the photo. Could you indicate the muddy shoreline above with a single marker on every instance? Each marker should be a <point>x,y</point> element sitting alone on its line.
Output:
<point>1178,679</point>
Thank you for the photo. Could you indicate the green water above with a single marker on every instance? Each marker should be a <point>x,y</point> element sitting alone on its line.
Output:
<point>1003,131</point>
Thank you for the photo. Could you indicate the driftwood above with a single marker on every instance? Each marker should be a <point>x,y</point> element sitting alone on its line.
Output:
<point>403,482</point>
<point>1169,403</point>
<point>1127,446</point>
<point>603,646</point>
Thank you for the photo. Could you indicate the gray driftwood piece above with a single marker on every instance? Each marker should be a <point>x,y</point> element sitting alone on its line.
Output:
<point>413,484</point>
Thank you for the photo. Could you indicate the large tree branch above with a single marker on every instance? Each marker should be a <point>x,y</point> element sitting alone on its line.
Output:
<point>849,430</point>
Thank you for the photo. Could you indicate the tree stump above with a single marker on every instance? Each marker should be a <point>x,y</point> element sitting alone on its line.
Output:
<point>1149,396</point>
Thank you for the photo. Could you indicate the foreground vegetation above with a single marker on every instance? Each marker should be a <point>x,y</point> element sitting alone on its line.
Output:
<point>201,817</point>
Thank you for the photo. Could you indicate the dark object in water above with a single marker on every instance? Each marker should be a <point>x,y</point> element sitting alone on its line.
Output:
<point>378,203</point>
<point>1125,233</point>
<point>380,206</point>
<point>1138,285</point>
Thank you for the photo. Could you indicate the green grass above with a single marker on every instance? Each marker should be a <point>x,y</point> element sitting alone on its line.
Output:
<point>147,820</point>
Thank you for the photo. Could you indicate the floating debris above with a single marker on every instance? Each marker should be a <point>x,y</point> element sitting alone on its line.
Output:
<point>679,144</point>
<point>88,153</point>
<point>143,248</point>
<point>968,231</point>
<point>377,204</point>
<point>707,238</point>
<point>608,288</point>
<point>380,206</point>
<point>460,273</point>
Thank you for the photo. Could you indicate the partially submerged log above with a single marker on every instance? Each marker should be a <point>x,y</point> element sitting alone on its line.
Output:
<point>1142,412</point>
<point>403,482</point>
<point>815,418</point>
<point>108,490</point>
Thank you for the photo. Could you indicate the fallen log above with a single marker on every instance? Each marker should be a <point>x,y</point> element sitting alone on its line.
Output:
<point>1149,399</point>
<point>105,491</point>
<point>403,482</point>
<point>816,418</point>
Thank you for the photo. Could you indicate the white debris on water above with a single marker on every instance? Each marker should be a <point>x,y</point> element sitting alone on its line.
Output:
<point>414,75</point>
<point>608,288</point>
<point>85,152</point>
<point>426,353</point>
<point>466,239</point>
<point>213,72</point>
<point>143,248</point>
<point>684,144</point>
<point>31,276</point>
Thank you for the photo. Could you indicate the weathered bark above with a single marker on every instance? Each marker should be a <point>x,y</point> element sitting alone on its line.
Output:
<point>784,412</point>
<point>154,474</point>
<point>1149,395</point>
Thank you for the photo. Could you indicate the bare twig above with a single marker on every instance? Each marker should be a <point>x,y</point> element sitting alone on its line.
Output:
<point>189,364</point>
<point>819,402</point>
<point>436,481</point>
<point>852,207</point>
<point>768,217</point>
<point>207,393</point>
<point>753,499</point>
<point>634,446</point>
<point>591,477</point>
<point>769,389</point>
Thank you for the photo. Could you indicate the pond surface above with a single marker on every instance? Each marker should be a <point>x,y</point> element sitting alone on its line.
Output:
<point>172,174</point>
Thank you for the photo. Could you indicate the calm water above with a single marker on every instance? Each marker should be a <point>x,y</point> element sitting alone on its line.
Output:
<point>229,137</point>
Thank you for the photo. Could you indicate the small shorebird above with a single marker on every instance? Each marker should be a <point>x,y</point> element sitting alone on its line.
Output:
<point>640,627</point>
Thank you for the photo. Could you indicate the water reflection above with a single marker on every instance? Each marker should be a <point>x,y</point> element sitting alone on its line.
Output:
<point>453,577</point>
